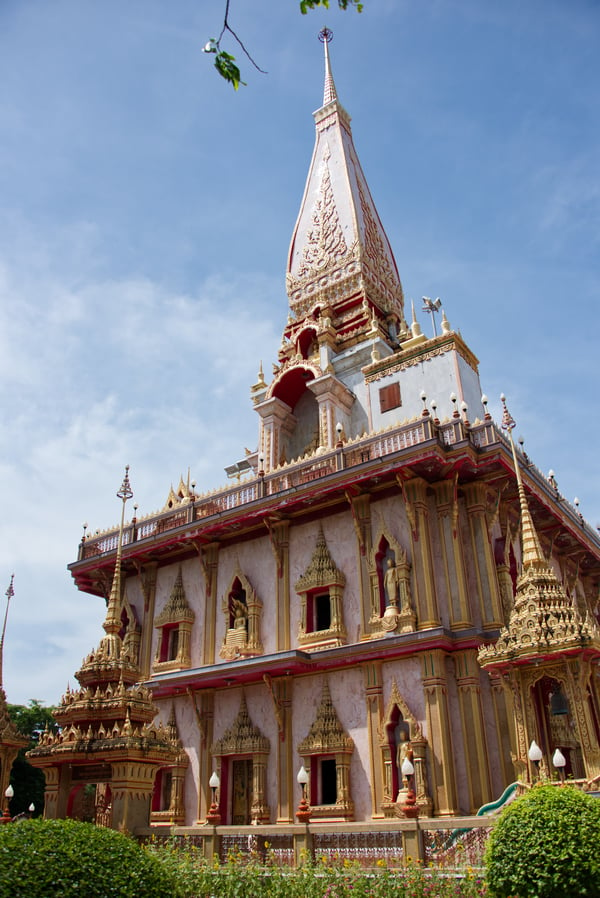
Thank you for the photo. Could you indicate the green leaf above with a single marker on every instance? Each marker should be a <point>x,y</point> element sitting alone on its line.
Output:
<point>227,69</point>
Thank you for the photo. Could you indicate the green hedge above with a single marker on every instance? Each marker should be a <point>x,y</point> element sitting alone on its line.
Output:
<point>546,845</point>
<point>68,859</point>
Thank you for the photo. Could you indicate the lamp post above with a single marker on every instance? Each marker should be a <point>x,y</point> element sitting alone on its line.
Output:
<point>8,794</point>
<point>213,815</point>
<point>535,756</point>
<point>409,808</point>
<point>303,813</point>
<point>559,761</point>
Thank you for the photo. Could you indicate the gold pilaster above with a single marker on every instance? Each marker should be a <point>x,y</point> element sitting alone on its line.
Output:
<point>446,493</point>
<point>279,534</point>
<point>210,566</point>
<point>483,559</point>
<point>281,693</point>
<point>505,731</point>
<point>204,709</point>
<point>374,713</point>
<point>360,507</point>
<point>473,728</point>
<point>443,784</point>
<point>147,575</point>
<point>417,510</point>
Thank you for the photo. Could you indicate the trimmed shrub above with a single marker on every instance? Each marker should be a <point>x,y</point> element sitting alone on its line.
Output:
<point>545,845</point>
<point>46,858</point>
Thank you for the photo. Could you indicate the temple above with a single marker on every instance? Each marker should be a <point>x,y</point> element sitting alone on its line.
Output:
<point>388,580</point>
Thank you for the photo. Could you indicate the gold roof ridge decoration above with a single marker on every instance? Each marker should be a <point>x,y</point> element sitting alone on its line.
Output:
<point>322,570</point>
<point>326,733</point>
<point>177,607</point>
<point>543,618</point>
<point>242,736</point>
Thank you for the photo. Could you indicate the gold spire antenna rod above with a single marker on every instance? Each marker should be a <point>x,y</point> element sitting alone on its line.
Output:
<point>9,594</point>
<point>329,93</point>
<point>112,624</point>
<point>531,548</point>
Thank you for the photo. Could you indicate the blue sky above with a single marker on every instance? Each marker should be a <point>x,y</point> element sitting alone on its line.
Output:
<point>145,220</point>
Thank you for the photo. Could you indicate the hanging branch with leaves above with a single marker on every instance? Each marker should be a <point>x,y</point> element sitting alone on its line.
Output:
<point>225,63</point>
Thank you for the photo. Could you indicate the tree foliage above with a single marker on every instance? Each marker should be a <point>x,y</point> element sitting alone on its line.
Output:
<point>545,845</point>
<point>28,782</point>
<point>39,858</point>
<point>226,64</point>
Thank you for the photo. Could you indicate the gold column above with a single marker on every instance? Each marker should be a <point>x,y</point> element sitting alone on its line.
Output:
<point>374,708</point>
<point>483,559</point>
<point>279,534</point>
<point>504,728</point>
<point>52,775</point>
<point>443,781</point>
<point>210,567</point>
<point>286,776</point>
<point>452,555</point>
<point>148,583</point>
<point>505,585</point>
<point>473,728</point>
<point>415,498</point>
<point>260,809</point>
<point>360,507</point>
<point>204,709</point>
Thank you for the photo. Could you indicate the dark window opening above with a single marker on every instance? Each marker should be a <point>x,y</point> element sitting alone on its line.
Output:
<point>323,612</point>
<point>169,645</point>
<point>328,781</point>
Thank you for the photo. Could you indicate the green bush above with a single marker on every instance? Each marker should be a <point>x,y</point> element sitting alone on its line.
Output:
<point>545,845</point>
<point>68,859</point>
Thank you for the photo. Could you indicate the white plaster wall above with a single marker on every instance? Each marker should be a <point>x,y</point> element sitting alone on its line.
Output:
<point>438,377</point>
<point>406,673</point>
<point>135,597</point>
<point>471,389</point>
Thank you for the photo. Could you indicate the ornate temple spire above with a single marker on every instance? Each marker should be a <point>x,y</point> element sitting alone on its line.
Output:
<point>339,248</point>
<point>9,594</point>
<point>543,621</point>
<point>113,623</point>
<point>532,554</point>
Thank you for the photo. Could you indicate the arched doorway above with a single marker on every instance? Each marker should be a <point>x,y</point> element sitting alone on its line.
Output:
<point>555,726</point>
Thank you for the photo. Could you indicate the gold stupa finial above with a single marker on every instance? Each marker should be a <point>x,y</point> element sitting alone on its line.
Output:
<point>9,594</point>
<point>329,92</point>
<point>112,624</point>
<point>531,547</point>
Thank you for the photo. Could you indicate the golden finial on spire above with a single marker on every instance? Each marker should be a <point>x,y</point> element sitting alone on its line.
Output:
<point>112,624</point>
<point>9,594</point>
<point>329,93</point>
<point>531,547</point>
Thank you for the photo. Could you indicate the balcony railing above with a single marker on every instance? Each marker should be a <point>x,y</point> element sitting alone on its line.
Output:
<point>295,475</point>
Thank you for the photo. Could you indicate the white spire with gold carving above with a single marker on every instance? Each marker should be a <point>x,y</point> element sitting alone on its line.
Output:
<point>339,247</point>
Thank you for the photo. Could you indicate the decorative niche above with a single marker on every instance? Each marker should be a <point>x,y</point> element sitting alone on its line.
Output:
<point>326,753</point>
<point>174,625</point>
<point>321,589</point>
<point>392,608</point>
<point>243,613</point>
